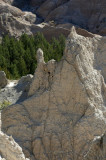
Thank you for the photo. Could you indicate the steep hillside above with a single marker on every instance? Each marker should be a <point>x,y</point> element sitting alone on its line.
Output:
<point>64,116</point>
<point>58,16</point>
<point>59,113</point>
<point>89,15</point>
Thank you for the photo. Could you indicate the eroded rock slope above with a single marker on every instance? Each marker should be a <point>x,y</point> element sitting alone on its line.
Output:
<point>9,149</point>
<point>65,115</point>
<point>52,17</point>
<point>90,15</point>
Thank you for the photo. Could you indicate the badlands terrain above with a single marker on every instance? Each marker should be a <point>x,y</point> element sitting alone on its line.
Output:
<point>52,17</point>
<point>59,113</point>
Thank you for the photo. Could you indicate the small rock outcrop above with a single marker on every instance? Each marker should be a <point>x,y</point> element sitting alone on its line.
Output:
<point>3,79</point>
<point>26,79</point>
<point>30,17</point>
<point>15,90</point>
<point>9,149</point>
<point>64,116</point>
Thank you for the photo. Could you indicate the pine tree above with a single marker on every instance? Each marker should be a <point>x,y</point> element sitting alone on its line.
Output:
<point>18,57</point>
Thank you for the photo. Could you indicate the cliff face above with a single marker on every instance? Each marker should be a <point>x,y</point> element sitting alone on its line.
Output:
<point>64,116</point>
<point>9,149</point>
<point>89,15</point>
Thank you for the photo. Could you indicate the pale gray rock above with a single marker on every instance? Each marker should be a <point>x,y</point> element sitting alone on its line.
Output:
<point>30,17</point>
<point>24,83</point>
<point>65,114</point>
<point>3,79</point>
<point>39,56</point>
<point>9,149</point>
<point>15,22</point>
<point>16,90</point>
<point>26,79</point>
<point>89,15</point>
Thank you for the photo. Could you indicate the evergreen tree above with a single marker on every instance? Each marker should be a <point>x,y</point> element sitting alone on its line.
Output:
<point>18,57</point>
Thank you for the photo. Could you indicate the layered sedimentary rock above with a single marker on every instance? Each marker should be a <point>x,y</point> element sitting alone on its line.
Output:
<point>15,22</point>
<point>89,15</point>
<point>64,116</point>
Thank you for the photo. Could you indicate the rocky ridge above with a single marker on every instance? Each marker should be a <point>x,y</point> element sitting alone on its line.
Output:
<point>64,115</point>
<point>52,17</point>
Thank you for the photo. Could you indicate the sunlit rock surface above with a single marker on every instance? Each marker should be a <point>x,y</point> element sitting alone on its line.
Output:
<point>64,116</point>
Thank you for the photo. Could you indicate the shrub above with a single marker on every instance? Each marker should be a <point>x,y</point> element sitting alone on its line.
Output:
<point>4,104</point>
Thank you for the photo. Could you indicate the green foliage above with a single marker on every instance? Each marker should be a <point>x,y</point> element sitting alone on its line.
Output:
<point>18,57</point>
<point>4,104</point>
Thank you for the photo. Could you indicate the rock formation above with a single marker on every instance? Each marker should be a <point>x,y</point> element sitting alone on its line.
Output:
<point>57,16</point>
<point>9,149</point>
<point>15,91</point>
<point>15,22</point>
<point>3,79</point>
<point>90,15</point>
<point>64,116</point>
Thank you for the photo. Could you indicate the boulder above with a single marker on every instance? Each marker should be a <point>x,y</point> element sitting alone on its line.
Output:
<point>30,17</point>
<point>3,79</point>
<point>24,82</point>
<point>64,116</point>
<point>26,79</point>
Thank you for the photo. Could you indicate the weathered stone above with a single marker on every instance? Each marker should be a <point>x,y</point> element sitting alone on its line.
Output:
<point>30,17</point>
<point>9,149</point>
<point>88,15</point>
<point>25,82</point>
<point>65,114</point>
<point>3,79</point>
<point>26,79</point>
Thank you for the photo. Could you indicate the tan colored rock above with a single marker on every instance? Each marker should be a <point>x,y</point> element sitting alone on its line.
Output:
<point>6,8</point>
<point>9,149</point>
<point>66,109</point>
<point>30,17</point>
<point>15,22</point>
<point>89,15</point>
